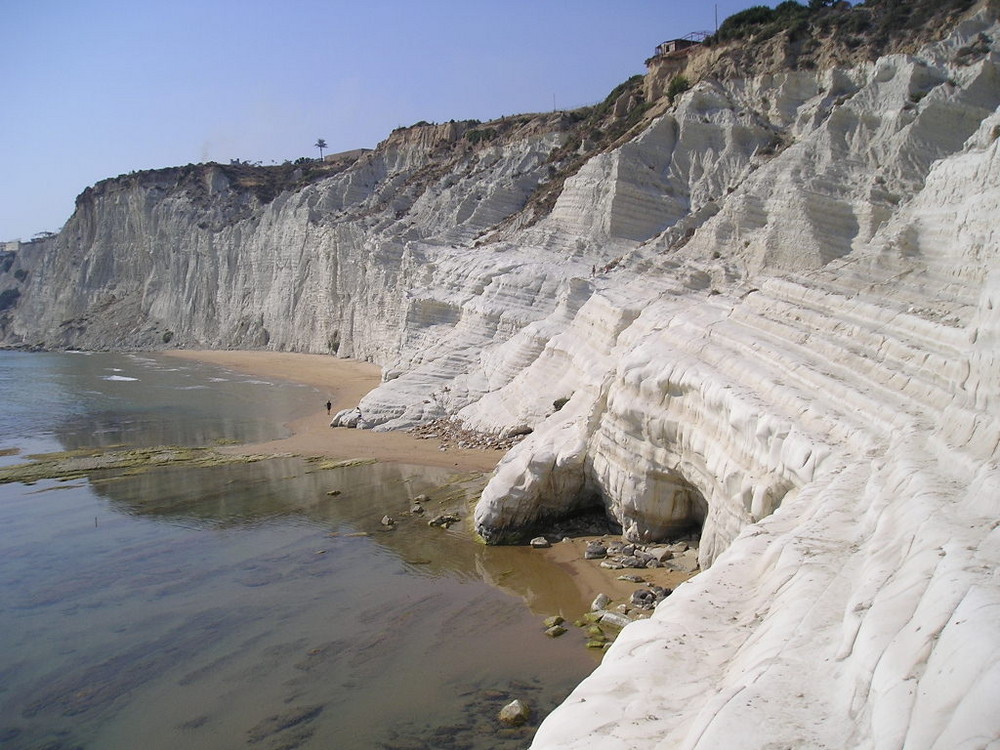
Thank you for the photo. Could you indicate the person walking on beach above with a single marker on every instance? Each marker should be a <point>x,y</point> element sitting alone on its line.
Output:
<point>328,407</point>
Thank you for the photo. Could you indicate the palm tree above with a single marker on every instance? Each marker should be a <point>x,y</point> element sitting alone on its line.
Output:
<point>320,144</point>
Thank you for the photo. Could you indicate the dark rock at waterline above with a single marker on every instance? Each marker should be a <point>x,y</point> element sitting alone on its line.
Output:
<point>601,601</point>
<point>515,713</point>
<point>293,718</point>
<point>614,619</point>
<point>595,551</point>
<point>444,520</point>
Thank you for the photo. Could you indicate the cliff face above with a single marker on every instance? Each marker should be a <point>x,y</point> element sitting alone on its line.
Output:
<point>772,313</point>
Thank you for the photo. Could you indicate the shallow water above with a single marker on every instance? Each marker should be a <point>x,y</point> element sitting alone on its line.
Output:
<point>247,605</point>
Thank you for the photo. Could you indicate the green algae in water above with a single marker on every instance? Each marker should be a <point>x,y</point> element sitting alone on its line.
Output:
<point>86,462</point>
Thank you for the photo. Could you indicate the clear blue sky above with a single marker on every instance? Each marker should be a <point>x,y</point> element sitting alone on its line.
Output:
<point>96,88</point>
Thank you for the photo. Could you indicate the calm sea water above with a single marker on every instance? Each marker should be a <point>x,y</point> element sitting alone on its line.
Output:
<point>247,606</point>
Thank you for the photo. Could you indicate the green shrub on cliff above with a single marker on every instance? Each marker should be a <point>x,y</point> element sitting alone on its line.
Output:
<point>483,134</point>
<point>678,85</point>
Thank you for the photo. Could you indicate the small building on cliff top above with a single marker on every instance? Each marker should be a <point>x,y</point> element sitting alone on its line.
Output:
<point>678,49</point>
<point>674,46</point>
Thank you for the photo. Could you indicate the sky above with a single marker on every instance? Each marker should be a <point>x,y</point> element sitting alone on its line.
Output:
<point>91,89</point>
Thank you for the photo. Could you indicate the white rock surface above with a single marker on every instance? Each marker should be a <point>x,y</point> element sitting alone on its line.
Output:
<point>775,313</point>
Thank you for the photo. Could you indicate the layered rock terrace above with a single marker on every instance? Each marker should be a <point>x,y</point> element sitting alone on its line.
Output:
<point>771,313</point>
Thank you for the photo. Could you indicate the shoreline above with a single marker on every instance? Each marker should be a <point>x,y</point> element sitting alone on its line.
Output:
<point>346,382</point>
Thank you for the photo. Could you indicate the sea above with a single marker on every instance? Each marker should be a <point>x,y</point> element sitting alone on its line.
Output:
<point>252,605</point>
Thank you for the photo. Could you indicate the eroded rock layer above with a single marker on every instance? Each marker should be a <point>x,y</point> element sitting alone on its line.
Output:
<point>773,313</point>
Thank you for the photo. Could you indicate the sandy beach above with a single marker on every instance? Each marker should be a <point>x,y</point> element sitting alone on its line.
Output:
<point>343,382</point>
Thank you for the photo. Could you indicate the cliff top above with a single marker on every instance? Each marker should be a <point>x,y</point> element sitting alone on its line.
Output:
<point>262,182</point>
<point>757,41</point>
<point>824,33</point>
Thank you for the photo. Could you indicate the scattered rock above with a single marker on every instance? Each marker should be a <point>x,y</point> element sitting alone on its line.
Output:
<point>555,631</point>
<point>333,493</point>
<point>632,578</point>
<point>648,598</point>
<point>540,542</point>
<point>444,520</point>
<point>684,563</point>
<point>660,554</point>
<point>551,622</point>
<point>614,618</point>
<point>600,602</point>
<point>515,713</point>
<point>417,509</point>
<point>595,551</point>
<point>452,434</point>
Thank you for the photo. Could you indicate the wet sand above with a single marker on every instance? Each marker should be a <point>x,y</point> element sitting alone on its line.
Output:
<point>345,382</point>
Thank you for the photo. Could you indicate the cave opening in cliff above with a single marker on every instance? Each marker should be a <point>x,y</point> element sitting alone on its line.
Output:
<point>669,506</point>
<point>591,518</point>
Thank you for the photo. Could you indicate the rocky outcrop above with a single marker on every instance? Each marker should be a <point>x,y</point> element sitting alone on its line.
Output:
<point>772,314</point>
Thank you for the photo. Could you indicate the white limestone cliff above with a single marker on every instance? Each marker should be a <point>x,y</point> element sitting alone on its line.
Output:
<point>773,314</point>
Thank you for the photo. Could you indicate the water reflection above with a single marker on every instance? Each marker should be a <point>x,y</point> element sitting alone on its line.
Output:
<point>351,500</point>
<point>259,605</point>
<point>99,400</point>
<point>229,606</point>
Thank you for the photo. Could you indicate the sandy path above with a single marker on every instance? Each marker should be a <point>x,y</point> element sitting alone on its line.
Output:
<point>344,382</point>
